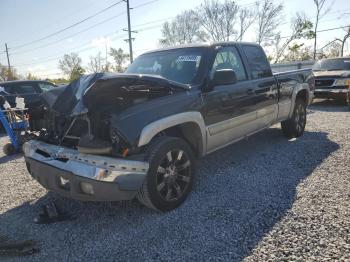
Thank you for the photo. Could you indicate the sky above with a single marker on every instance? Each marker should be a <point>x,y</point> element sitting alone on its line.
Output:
<point>26,26</point>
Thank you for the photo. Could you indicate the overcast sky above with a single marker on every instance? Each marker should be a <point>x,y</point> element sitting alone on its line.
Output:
<point>25,25</point>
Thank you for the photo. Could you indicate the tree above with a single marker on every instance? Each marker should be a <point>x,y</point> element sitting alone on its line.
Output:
<point>70,65</point>
<point>268,18</point>
<point>119,58</point>
<point>320,13</point>
<point>332,50</point>
<point>246,19</point>
<point>343,40</point>
<point>297,52</point>
<point>30,76</point>
<point>301,28</point>
<point>185,28</point>
<point>218,19</point>
<point>8,74</point>
<point>95,64</point>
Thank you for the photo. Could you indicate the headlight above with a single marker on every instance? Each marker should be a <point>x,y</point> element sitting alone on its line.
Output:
<point>342,82</point>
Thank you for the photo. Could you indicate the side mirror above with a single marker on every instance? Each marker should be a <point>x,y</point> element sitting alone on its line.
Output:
<point>224,77</point>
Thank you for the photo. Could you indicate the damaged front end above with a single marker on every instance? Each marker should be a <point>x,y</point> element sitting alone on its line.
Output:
<point>81,116</point>
<point>79,150</point>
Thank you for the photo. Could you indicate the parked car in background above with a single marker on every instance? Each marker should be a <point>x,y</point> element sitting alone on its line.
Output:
<point>30,90</point>
<point>117,137</point>
<point>332,78</point>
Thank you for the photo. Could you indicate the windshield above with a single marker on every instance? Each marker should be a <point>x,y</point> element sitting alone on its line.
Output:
<point>332,64</point>
<point>179,65</point>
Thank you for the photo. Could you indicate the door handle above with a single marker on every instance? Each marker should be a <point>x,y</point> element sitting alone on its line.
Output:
<point>250,91</point>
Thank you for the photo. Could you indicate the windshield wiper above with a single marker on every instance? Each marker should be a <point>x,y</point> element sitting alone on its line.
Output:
<point>177,84</point>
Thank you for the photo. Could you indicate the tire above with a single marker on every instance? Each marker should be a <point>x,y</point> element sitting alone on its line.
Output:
<point>295,126</point>
<point>170,176</point>
<point>9,149</point>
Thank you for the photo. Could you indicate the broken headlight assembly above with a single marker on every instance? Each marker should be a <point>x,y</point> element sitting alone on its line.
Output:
<point>118,143</point>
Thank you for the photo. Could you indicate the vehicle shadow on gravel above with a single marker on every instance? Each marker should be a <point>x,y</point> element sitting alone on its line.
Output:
<point>240,193</point>
<point>329,105</point>
<point>5,158</point>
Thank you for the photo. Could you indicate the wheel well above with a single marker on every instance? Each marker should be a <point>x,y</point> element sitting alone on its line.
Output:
<point>190,132</point>
<point>303,94</point>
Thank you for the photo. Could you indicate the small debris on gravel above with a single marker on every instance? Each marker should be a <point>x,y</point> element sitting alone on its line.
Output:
<point>262,199</point>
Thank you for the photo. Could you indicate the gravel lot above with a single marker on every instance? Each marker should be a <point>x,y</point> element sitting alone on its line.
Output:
<point>266,198</point>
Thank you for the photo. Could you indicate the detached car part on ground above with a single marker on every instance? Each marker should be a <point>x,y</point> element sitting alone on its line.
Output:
<point>332,79</point>
<point>116,137</point>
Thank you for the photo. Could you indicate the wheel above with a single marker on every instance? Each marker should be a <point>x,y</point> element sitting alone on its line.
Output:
<point>295,126</point>
<point>170,176</point>
<point>9,149</point>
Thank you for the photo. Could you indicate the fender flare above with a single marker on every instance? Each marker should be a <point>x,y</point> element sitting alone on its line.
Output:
<point>150,130</point>
<point>296,91</point>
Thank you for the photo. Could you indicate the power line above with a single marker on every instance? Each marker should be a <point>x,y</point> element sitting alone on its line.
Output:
<point>72,35</point>
<point>88,48</point>
<point>143,4</point>
<point>68,27</point>
<point>88,42</point>
<point>84,30</point>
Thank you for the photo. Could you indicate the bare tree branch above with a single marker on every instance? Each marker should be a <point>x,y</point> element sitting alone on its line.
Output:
<point>218,19</point>
<point>343,40</point>
<point>321,11</point>
<point>246,19</point>
<point>268,18</point>
<point>301,28</point>
<point>184,29</point>
<point>96,63</point>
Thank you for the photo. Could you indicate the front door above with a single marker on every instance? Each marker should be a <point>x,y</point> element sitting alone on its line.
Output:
<point>229,109</point>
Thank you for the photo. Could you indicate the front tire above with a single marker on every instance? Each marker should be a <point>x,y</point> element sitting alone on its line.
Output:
<point>295,126</point>
<point>9,149</point>
<point>170,176</point>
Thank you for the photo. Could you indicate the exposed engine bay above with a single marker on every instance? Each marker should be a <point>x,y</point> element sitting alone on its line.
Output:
<point>80,115</point>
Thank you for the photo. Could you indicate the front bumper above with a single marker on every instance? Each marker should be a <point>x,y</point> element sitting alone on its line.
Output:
<point>83,176</point>
<point>332,93</point>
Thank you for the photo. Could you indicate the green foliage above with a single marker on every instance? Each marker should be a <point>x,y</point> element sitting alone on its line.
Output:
<point>6,74</point>
<point>58,81</point>
<point>70,65</point>
<point>119,58</point>
<point>30,76</point>
<point>77,72</point>
<point>298,52</point>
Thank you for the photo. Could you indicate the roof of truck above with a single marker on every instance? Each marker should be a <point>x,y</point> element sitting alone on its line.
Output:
<point>204,44</point>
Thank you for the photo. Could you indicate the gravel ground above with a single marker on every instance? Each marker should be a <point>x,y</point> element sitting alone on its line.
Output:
<point>266,198</point>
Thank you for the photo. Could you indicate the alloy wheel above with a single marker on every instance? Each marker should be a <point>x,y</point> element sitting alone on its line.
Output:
<point>173,175</point>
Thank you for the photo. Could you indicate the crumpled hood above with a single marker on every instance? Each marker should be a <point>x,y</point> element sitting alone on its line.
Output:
<point>336,74</point>
<point>100,88</point>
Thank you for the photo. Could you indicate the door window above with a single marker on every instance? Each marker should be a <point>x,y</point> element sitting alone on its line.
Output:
<point>228,58</point>
<point>26,89</point>
<point>45,86</point>
<point>259,66</point>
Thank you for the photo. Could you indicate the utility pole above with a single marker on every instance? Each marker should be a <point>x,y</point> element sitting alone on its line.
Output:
<point>129,31</point>
<point>8,62</point>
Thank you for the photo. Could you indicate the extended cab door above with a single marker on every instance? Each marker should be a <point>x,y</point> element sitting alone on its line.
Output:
<point>229,110</point>
<point>263,84</point>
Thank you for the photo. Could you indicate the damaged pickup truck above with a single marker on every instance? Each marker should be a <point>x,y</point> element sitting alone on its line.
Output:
<point>114,137</point>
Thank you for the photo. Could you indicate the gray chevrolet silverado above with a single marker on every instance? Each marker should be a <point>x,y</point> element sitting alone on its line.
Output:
<point>108,137</point>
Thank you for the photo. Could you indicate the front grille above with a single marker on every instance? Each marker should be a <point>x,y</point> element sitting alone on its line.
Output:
<point>324,82</point>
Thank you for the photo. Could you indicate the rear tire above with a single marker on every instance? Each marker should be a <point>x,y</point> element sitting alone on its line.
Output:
<point>295,126</point>
<point>9,149</point>
<point>170,176</point>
